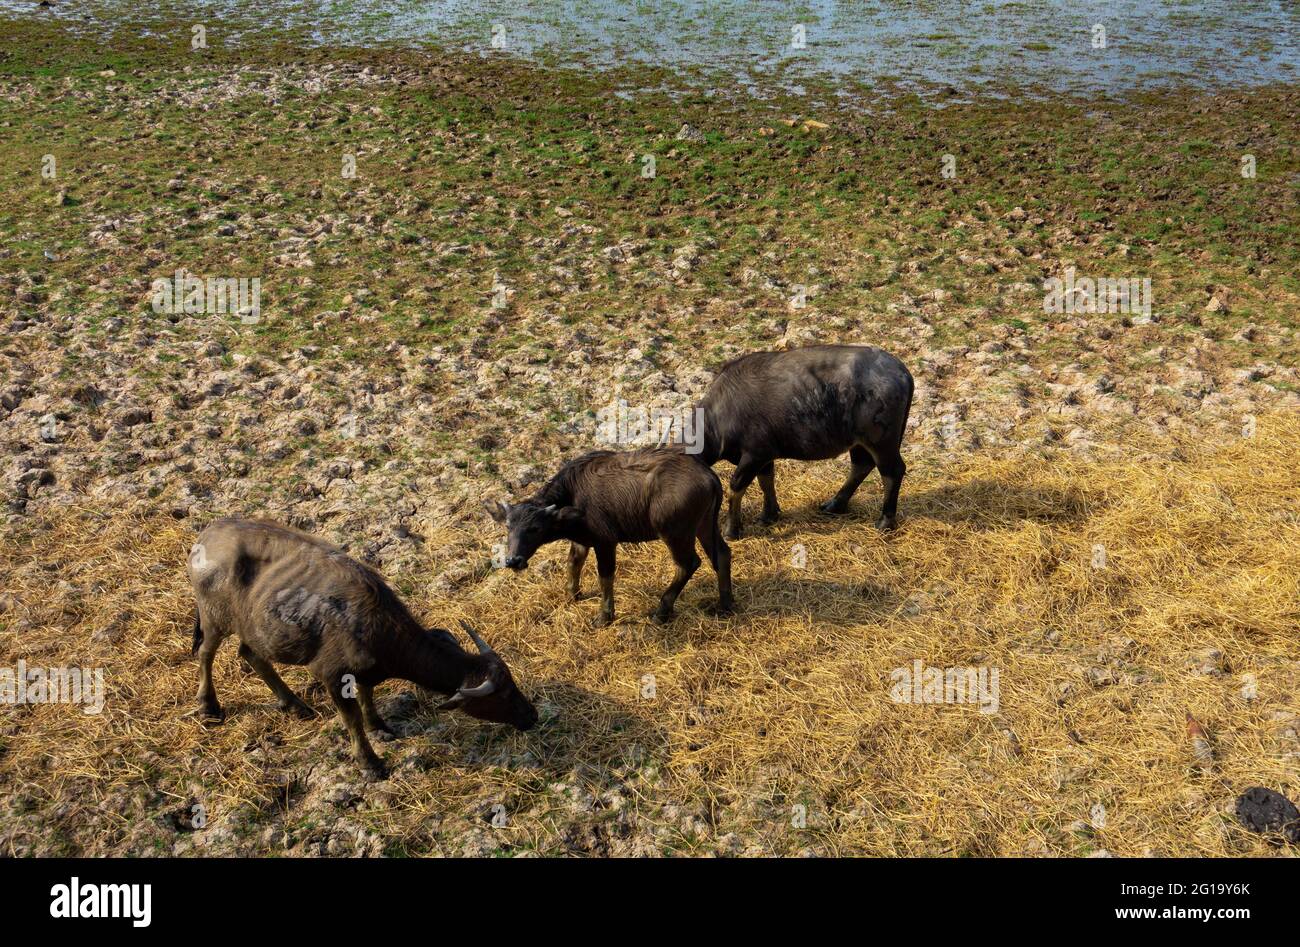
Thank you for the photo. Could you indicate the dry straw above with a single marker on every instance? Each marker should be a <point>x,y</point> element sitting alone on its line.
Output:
<point>711,727</point>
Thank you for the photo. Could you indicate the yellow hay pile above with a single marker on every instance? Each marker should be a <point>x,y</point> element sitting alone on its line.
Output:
<point>744,725</point>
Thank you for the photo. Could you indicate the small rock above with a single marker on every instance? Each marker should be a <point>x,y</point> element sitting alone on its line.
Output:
<point>689,133</point>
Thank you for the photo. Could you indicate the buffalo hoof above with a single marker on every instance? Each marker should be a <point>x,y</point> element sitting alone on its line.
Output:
<point>374,771</point>
<point>207,713</point>
<point>886,524</point>
<point>722,609</point>
<point>602,620</point>
<point>382,734</point>
<point>660,617</point>
<point>770,517</point>
<point>299,710</point>
<point>731,535</point>
<point>833,507</point>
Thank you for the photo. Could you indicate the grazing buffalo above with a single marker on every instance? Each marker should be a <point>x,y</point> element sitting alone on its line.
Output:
<point>809,403</point>
<point>296,599</point>
<point>605,498</point>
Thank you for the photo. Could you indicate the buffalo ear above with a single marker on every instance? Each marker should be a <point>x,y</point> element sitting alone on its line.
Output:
<point>497,509</point>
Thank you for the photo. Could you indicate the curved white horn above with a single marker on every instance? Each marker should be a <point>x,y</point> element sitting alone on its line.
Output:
<point>482,690</point>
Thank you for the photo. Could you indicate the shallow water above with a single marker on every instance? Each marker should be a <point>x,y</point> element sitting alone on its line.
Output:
<point>854,44</point>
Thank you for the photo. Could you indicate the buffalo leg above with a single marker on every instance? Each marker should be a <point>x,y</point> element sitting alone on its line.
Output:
<point>740,480</point>
<point>863,464</point>
<point>369,715</point>
<point>349,709</point>
<point>606,559</point>
<point>577,559</point>
<point>683,551</point>
<point>719,553</point>
<point>209,706</point>
<point>892,469</point>
<point>284,695</point>
<point>767,482</point>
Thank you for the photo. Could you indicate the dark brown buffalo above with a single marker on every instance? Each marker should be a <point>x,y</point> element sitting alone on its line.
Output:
<point>605,498</point>
<point>294,599</point>
<point>809,403</point>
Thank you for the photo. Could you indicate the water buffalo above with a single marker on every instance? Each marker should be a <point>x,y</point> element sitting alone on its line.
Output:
<point>605,498</point>
<point>809,403</point>
<point>296,599</point>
